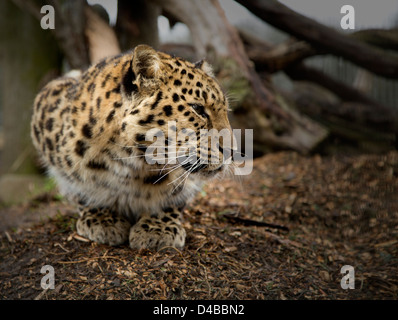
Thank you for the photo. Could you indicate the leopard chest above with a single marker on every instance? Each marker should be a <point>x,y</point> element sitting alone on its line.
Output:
<point>128,185</point>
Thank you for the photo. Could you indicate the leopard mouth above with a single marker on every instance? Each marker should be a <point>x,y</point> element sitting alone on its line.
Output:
<point>213,172</point>
<point>203,169</point>
<point>192,168</point>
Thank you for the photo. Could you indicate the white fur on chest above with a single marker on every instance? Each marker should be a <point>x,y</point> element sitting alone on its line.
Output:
<point>119,189</point>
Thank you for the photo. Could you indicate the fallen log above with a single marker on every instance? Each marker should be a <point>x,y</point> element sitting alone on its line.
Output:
<point>358,123</point>
<point>349,96</point>
<point>343,91</point>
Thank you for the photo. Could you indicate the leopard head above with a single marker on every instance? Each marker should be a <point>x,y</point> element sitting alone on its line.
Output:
<point>183,105</point>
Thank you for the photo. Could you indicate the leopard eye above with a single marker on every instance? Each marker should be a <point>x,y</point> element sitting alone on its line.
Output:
<point>199,109</point>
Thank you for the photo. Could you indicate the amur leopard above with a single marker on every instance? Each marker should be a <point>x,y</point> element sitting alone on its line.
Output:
<point>90,131</point>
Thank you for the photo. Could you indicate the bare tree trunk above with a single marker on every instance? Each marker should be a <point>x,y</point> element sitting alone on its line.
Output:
<point>70,32</point>
<point>69,28</point>
<point>255,105</point>
<point>27,54</point>
<point>101,38</point>
<point>137,23</point>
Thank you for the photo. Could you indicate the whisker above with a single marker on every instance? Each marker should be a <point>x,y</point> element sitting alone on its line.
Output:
<point>191,170</point>
<point>175,168</point>
<point>144,155</point>
<point>186,174</point>
<point>169,144</point>
<point>182,175</point>
<point>168,172</point>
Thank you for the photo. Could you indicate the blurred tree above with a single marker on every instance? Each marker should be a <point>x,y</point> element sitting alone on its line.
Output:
<point>27,55</point>
<point>70,26</point>
<point>254,102</point>
<point>352,115</point>
<point>102,41</point>
<point>328,39</point>
<point>84,36</point>
<point>137,23</point>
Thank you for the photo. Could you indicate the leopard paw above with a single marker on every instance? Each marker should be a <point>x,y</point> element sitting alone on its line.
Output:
<point>103,226</point>
<point>156,233</point>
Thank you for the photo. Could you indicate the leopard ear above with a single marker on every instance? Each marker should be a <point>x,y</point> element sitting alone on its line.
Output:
<point>205,66</point>
<point>146,62</point>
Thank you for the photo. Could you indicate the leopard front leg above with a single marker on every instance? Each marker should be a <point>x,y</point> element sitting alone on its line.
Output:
<point>103,226</point>
<point>156,232</point>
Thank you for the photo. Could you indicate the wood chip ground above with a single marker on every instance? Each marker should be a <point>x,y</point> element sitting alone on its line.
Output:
<point>340,210</point>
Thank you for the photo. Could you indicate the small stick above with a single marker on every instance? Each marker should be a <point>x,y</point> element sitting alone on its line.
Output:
<point>249,222</point>
<point>8,236</point>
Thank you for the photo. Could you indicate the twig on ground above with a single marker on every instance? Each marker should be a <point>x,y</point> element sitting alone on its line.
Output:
<point>249,222</point>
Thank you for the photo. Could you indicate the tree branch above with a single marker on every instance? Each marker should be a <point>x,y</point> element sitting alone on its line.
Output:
<point>382,38</point>
<point>278,57</point>
<point>324,38</point>
<point>343,91</point>
<point>287,57</point>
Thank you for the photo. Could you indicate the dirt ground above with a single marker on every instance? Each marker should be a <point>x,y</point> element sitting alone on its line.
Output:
<point>284,232</point>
